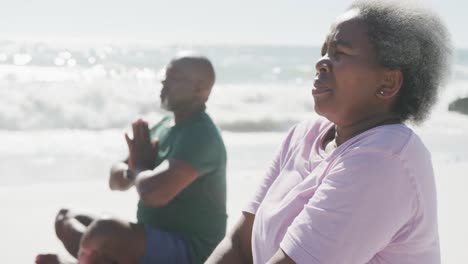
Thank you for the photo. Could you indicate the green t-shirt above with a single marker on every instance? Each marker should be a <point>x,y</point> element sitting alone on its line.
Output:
<point>198,213</point>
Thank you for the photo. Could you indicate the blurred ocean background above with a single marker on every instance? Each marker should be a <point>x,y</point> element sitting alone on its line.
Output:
<point>258,88</point>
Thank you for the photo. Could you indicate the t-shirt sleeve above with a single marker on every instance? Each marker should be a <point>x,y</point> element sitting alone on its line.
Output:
<point>270,175</point>
<point>364,200</point>
<point>203,150</point>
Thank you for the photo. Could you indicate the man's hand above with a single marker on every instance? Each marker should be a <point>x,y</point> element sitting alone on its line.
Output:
<point>142,152</point>
<point>118,180</point>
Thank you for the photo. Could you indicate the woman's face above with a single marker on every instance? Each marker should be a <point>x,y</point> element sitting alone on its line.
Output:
<point>348,76</point>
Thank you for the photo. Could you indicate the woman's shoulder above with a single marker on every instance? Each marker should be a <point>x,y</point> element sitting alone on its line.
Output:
<point>395,140</point>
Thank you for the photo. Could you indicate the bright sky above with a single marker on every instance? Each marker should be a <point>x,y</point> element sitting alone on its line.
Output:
<point>302,22</point>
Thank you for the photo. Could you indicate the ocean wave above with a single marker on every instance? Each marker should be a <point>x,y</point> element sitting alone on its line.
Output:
<point>262,125</point>
<point>108,104</point>
<point>259,88</point>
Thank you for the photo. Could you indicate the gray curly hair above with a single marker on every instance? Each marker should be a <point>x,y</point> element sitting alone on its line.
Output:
<point>414,40</point>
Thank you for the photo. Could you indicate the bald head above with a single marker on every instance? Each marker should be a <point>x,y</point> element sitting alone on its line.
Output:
<point>187,83</point>
<point>196,68</point>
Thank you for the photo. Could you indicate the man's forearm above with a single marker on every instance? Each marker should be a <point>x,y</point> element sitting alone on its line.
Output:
<point>159,186</point>
<point>149,186</point>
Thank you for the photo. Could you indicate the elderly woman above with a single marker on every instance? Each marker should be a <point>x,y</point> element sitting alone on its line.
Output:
<point>355,185</point>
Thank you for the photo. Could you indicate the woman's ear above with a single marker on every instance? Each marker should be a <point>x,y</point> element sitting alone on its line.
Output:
<point>391,84</point>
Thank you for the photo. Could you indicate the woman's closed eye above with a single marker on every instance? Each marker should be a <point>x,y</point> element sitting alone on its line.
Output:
<point>338,54</point>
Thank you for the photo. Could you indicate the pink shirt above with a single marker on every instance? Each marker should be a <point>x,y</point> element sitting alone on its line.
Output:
<point>372,200</point>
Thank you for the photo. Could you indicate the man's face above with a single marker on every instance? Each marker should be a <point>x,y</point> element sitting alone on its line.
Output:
<point>348,74</point>
<point>178,88</point>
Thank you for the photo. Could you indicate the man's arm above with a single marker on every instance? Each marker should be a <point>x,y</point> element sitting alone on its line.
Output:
<point>237,246</point>
<point>159,186</point>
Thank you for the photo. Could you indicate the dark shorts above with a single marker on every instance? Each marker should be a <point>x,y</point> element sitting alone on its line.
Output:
<point>165,247</point>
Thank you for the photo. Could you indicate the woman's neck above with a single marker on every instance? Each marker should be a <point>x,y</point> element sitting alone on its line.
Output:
<point>346,132</point>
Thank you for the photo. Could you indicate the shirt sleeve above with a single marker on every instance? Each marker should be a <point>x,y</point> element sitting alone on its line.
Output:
<point>270,175</point>
<point>362,203</point>
<point>201,149</point>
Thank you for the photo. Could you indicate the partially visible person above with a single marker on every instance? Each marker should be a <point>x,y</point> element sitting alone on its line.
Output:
<point>178,168</point>
<point>355,185</point>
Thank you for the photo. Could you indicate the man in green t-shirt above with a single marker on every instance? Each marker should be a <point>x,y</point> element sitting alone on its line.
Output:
<point>178,168</point>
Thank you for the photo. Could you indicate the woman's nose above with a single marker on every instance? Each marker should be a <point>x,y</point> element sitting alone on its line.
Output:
<point>322,65</point>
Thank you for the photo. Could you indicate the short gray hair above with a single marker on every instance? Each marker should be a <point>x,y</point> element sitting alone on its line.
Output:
<point>414,40</point>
